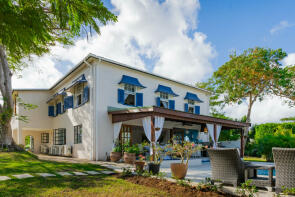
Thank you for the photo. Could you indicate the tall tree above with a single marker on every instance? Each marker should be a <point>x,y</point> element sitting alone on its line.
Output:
<point>249,77</point>
<point>31,27</point>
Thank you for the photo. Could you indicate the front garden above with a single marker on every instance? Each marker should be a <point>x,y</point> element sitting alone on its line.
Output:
<point>124,184</point>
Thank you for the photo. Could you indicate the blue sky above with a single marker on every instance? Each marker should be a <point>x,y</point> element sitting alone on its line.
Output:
<point>238,25</point>
<point>184,40</point>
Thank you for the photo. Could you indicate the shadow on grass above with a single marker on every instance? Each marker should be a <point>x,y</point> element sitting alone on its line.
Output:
<point>25,162</point>
<point>53,185</point>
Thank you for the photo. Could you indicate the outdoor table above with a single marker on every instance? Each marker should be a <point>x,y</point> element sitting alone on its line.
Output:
<point>258,181</point>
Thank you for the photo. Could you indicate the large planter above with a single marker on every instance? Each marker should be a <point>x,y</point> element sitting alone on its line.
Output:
<point>129,158</point>
<point>139,165</point>
<point>178,170</point>
<point>115,156</point>
<point>154,168</point>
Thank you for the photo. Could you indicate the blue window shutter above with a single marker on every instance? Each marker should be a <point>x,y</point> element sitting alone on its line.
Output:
<point>139,99</point>
<point>158,101</point>
<point>197,109</point>
<point>51,111</point>
<point>68,102</point>
<point>86,94</point>
<point>186,107</point>
<point>121,96</point>
<point>172,104</point>
<point>58,110</point>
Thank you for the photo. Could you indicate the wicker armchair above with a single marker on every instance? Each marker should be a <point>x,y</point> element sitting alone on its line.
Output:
<point>284,159</point>
<point>227,166</point>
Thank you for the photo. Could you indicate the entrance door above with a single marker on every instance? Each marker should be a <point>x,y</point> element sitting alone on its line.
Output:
<point>126,135</point>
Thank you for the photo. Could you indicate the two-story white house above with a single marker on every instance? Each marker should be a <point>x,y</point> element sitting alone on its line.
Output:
<point>100,101</point>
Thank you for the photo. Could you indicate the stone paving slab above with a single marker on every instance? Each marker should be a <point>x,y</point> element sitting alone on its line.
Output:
<point>45,174</point>
<point>64,174</point>
<point>4,178</point>
<point>23,176</point>
<point>107,172</point>
<point>79,173</point>
<point>92,172</point>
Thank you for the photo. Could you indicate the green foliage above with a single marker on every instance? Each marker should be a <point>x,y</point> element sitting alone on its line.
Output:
<point>127,172</point>
<point>229,135</point>
<point>288,191</point>
<point>132,149</point>
<point>33,26</point>
<point>247,189</point>
<point>271,135</point>
<point>251,76</point>
<point>183,182</point>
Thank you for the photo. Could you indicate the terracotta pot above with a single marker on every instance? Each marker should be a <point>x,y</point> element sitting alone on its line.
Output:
<point>178,170</point>
<point>115,156</point>
<point>129,158</point>
<point>154,168</point>
<point>139,165</point>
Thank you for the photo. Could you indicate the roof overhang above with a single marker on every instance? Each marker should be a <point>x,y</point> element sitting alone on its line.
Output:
<point>121,115</point>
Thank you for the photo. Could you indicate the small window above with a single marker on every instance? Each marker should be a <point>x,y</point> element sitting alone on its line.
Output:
<point>163,95</point>
<point>78,93</point>
<point>44,138</point>
<point>78,134</point>
<point>59,137</point>
<point>126,135</point>
<point>129,94</point>
<point>191,106</point>
<point>191,102</point>
<point>164,104</point>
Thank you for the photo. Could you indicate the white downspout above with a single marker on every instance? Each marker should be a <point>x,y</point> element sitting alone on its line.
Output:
<point>93,107</point>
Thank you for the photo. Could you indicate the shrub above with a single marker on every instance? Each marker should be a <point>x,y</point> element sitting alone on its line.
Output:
<point>229,135</point>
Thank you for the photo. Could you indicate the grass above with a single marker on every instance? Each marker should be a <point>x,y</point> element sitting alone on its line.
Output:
<point>98,185</point>
<point>246,158</point>
<point>25,162</point>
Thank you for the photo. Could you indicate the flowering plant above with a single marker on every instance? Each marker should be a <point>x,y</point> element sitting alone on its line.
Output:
<point>141,157</point>
<point>184,150</point>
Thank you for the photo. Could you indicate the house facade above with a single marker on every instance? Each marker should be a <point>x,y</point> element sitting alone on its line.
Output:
<point>78,115</point>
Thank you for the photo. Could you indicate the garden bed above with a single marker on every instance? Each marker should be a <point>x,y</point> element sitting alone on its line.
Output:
<point>175,188</point>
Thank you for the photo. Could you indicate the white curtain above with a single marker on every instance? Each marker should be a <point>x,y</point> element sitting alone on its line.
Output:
<point>210,128</point>
<point>146,123</point>
<point>117,128</point>
<point>218,131</point>
<point>159,123</point>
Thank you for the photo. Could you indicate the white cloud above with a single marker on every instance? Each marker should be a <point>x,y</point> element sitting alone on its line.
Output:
<point>145,28</point>
<point>272,109</point>
<point>289,60</point>
<point>282,25</point>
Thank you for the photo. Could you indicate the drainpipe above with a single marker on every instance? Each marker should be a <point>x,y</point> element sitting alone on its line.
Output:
<point>93,107</point>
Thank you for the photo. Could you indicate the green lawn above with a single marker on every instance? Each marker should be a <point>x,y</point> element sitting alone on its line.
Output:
<point>98,185</point>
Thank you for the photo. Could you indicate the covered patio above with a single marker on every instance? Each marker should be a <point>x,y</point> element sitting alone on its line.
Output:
<point>158,121</point>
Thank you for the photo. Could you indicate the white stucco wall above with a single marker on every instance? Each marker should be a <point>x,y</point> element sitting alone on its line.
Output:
<point>108,77</point>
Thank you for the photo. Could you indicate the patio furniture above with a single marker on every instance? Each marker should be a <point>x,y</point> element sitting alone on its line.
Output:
<point>227,166</point>
<point>267,182</point>
<point>284,159</point>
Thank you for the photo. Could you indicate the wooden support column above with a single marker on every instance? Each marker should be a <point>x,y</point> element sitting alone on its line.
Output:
<point>215,134</point>
<point>153,137</point>
<point>242,143</point>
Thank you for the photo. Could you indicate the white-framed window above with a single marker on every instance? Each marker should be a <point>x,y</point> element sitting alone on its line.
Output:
<point>78,134</point>
<point>59,136</point>
<point>129,94</point>
<point>164,102</point>
<point>78,92</point>
<point>191,106</point>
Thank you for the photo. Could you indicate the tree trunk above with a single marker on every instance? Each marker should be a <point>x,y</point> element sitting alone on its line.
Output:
<point>6,107</point>
<point>248,119</point>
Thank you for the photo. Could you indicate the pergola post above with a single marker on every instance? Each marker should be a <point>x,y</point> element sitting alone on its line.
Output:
<point>242,143</point>
<point>215,133</point>
<point>153,137</point>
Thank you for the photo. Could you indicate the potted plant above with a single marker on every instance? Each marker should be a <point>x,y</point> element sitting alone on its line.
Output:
<point>130,154</point>
<point>184,151</point>
<point>140,163</point>
<point>116,154</point>
<point>155,163</point>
